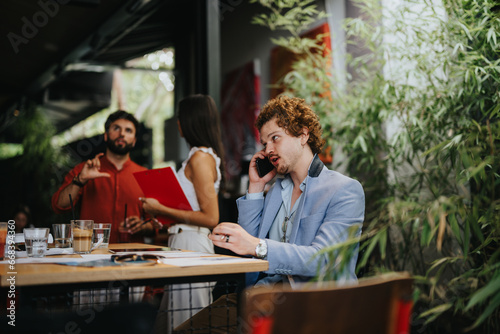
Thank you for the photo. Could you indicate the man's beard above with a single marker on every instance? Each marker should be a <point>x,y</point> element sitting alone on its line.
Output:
<point>120,150</point>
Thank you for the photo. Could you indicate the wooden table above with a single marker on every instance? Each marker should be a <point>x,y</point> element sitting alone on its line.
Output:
<point>54,274</point>
<point>32,275</point>
<point>38,287</point>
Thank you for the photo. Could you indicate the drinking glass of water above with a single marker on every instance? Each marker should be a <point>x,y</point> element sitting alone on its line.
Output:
<point>62,235</point>
<point>101,235</point>
<point>36,240</point>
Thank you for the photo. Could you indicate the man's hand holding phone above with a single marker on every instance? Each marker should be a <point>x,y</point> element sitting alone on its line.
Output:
<point>261,172</point>
<point>264,166</point>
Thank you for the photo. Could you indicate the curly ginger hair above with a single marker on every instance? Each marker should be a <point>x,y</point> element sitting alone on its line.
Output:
<point>293,114</point>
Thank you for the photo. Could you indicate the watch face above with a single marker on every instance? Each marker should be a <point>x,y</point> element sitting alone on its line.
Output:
<point>261,249</point>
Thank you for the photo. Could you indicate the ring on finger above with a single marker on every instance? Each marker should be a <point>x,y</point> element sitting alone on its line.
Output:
<point>227,238</point>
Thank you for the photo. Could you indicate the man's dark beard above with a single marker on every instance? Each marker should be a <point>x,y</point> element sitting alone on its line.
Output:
<point>110,144</point>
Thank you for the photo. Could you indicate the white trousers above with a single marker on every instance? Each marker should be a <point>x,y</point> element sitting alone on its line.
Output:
<point>181,301</point>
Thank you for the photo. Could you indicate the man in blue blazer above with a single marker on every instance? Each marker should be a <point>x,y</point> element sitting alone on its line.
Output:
<point>308,208</point>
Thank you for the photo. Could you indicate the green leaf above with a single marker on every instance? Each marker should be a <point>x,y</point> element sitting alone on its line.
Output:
<point>371,245</point>
<point>383,243</point>
<point>455,228</point>
<point>360,140</point>
<point>492,307</point>
<point>466,237</point>
<point>491,36</point>
<point>435,312</point>
<point>439,262</point>
<point>477,231</point>
<point>482,294</point>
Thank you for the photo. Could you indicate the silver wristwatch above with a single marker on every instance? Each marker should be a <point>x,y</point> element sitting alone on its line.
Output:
<point>261,249</point>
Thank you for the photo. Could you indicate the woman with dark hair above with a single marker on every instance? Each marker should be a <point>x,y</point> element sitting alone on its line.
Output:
<point>200,176</point>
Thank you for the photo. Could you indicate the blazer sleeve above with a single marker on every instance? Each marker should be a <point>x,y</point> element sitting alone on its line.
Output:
<point>329,223</point>
<point>250,214</point>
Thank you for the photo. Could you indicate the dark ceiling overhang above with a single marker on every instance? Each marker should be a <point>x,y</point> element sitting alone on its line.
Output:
<point>43,37</point>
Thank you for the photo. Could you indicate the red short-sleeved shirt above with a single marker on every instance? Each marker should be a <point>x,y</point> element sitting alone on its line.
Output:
<point>103,199</point>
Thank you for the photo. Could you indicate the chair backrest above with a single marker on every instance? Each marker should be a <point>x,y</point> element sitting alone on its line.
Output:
<point>380,304</point>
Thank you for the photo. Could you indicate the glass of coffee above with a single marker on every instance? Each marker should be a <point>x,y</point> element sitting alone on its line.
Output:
<point>81,234</point>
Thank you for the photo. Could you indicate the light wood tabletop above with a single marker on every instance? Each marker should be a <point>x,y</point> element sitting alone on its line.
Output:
<point>38,274</point>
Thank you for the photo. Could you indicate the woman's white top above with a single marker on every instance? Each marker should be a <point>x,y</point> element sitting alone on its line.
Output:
<point>188,186</point>
<point>187,297</point>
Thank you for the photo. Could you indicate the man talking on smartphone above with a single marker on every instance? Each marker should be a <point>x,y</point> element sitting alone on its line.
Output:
<point>308,208</point>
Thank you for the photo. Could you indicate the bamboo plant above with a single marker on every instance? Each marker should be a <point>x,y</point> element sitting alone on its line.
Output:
<point>418,124</point>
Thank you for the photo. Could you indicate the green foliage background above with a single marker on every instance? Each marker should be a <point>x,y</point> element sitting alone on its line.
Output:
<point>432,78</point>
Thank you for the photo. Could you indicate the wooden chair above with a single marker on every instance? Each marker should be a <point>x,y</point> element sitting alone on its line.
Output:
<point>378,305</point>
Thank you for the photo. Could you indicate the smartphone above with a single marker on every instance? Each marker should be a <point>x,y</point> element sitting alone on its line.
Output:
<point>264,166</point>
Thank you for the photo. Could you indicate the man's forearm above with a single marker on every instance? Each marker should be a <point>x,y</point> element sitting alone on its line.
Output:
<point>63,200</point>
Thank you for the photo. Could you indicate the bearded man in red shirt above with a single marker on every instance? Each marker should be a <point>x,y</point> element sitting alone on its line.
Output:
<point>105,185</point>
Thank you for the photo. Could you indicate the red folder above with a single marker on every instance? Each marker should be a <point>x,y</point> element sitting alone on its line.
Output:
<point>162,184</point>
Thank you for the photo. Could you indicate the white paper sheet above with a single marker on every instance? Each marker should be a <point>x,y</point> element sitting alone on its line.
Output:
<point>203,261</point>
<point>48,260</point>
<point>22,258</point>
<point>175,258</point>
<point>171,254</point>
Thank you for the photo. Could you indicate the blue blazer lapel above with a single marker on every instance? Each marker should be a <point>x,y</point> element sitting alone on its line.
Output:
<point>312,175</point>
<point>297,216</point>
<point>271,209</point>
